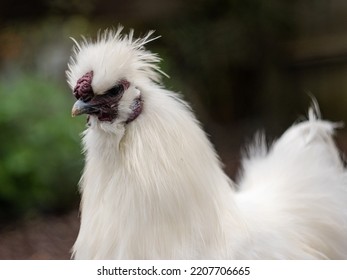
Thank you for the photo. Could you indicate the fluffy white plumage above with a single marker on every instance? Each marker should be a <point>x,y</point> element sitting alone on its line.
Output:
<point>154,188</point>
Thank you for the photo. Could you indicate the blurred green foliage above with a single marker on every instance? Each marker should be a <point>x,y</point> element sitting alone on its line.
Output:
<point>40,159</point>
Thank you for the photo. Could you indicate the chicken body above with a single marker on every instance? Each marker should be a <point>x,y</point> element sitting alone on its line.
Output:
<point>153,186</point>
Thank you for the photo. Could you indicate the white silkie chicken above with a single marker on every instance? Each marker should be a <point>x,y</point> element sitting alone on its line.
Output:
<point>153,186</point>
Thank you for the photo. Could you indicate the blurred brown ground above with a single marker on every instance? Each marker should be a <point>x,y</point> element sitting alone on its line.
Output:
<point>42,238</point>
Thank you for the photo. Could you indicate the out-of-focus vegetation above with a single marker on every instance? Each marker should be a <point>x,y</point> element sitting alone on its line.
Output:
<point>239,62</point>
<point>40,154</point>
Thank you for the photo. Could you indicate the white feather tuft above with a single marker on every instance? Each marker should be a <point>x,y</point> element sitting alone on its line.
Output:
<point>113,56</point>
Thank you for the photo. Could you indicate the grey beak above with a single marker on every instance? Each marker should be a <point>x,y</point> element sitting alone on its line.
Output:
<point>80,107</point>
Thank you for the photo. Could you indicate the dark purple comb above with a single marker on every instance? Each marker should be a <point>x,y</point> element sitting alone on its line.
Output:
<point>83,88</point>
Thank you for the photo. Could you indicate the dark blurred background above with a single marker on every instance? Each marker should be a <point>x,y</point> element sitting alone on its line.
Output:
<point>244,65</point>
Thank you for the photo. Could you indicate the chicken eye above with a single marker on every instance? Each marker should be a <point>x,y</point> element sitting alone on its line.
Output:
<point>117,89</point>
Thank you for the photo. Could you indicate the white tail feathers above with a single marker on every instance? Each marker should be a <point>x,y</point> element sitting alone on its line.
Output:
<point>314,112</point>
